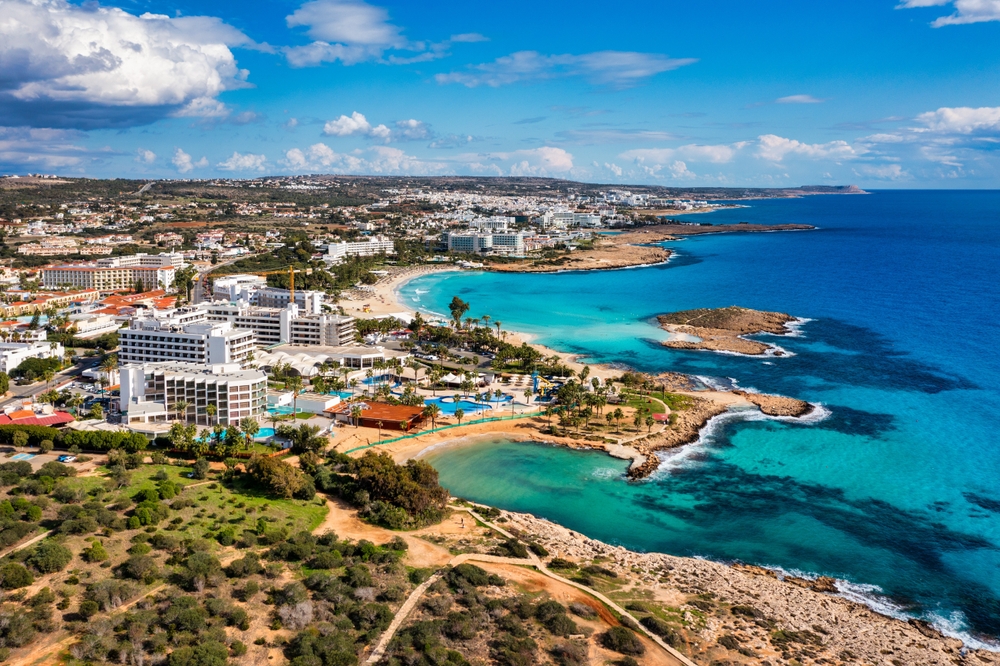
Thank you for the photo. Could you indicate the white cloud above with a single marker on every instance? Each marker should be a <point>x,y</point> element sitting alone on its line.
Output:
<point>883,172</point>
<point>538,161</point>
<point>962,120</point>
<point>618,69</point>
<point>353,31</point>
<point>613,168</point>
<point>966,11</point>
<point>680,171</point>
<point>93,66</point>
<point>775,148</point>
<point>412,129</point>
<point>292,123</point>
<point>184,163</point>
<point>244,162</point>
<point>798,99</point>
<point>717,154</point>
<point>346,22</point>
<point>386,160</point>
<point>144,156</point>
<point>357,124</point>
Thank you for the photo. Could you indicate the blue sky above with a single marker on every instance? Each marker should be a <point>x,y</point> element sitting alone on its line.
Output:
<point>879,93</point>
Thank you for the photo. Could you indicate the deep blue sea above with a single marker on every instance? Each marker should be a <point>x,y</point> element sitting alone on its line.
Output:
<point>896,492</point>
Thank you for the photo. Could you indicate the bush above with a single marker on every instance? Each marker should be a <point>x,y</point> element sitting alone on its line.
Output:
<point>96,553</point>
<point>140,567</point>
<point>89,608</point>
<point>200,469</point>
<point>661,629</point>
<point>620,639</point>
<point>36,435</point>
<point>570,654</point>
<point>14,575</point>
<point>238,648</point>
<point>582,610</point>
<point>208,653</point>
<point>49,557</point>
<point>512,548</point>
<point>102,440</point>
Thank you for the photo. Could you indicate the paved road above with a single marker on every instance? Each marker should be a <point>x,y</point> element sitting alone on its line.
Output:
<point>19,393</point>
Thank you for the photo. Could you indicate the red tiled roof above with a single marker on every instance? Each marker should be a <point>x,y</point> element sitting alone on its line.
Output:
<point>56,419</point>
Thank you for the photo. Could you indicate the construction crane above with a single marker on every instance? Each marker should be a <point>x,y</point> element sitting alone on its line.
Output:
<point>291,278</point>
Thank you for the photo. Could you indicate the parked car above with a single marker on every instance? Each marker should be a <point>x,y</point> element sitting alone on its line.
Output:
<point>66,459</point>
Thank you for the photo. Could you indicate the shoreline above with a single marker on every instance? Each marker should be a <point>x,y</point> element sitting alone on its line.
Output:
<point>848,593</point>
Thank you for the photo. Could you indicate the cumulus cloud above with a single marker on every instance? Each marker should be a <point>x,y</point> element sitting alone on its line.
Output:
<point>775,148</point>
<point>144,156</point>
<point>90,66</point>
<point>387,160</point>
<point>244,162</point>
<point>962,120</point>
<point>613,168</point>
<point>966,11</point>
<point>617,69</point>
<point>357,124</point>
<point>184,163</point>
<point>34,149</point>
<point>798,99</point>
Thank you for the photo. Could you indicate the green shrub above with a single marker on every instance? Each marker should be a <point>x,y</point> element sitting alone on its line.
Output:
<point>14,575</point>
<point>620,639</point>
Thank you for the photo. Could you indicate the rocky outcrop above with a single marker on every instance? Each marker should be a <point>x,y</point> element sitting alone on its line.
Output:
<point>777,405</point>
<point>722,329</point>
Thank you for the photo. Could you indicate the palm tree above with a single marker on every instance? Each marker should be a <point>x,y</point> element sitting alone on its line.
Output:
<point>250,430</point>
<point>649,423</point>
<point>498,394</point>
<point>497,324</point>
<point>48,375</point>
<point>74,402</point>
<point>180,408</point>
<point>356,414</point>
<point>210,411</point>
<point>486,320</point>
<point>527,395</point>
<point>431,412</point>
<point>294,384</point>
<point>354,384</point>
<point>618,416</point>
<point>459,413</point>
<point>379,424</point>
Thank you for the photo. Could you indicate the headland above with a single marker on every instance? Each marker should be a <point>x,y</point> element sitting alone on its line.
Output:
<point>722,329</point>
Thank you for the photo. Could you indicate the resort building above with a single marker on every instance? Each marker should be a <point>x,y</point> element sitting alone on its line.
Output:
<point>12,354</point>
<point>284,325</point>
<point>151,341</point>
<point>151,391</point>
<point>481,243</point>
<point>254,290</point>
<point>115,273</point>
<point>336,252</point>
<point>237,287</point>
<point>307,361</point>
<point>560,219</point>
<point>491,224</point>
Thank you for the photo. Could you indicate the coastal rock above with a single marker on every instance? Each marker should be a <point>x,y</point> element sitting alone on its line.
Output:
<point>811,624</point>
<point>777,405</point>
<point>685,429</point>
<point>721,329</point>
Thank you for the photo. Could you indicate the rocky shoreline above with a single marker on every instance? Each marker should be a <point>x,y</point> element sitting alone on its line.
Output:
<point>777,405</point>
<point>722,329</point>
<point>744,614</point>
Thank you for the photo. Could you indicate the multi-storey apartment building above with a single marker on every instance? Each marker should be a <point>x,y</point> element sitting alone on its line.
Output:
<point>115,273</point>
<point>152,392</point>
<point>151,341</point>
<point>371,246</point>
<point>284,325</point>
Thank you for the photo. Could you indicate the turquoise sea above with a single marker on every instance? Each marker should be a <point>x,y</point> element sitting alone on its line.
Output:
<point>896,492</point>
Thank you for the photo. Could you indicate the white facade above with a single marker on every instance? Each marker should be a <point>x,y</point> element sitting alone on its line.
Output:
<point>479,242</point>
<point>93,325</point>
<point>492,224</point>
<point>236,287</point>
<point>373,245</point>
<point>13,353</point>
<point>310,302</point>
<point>151,341</point>
<point>151,391</point>
<point>284,325</point>
<point>563,218</point>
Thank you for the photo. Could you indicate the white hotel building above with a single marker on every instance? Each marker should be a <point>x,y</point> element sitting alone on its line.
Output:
<point>151,341</point>
<point>335,252</point>
<point>150,391</point>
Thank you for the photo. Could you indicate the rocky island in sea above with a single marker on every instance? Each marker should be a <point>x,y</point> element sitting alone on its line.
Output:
<point>723,329</point>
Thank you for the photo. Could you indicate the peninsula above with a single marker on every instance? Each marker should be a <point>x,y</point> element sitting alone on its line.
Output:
<point>723,329</point>
<point>637,247</point>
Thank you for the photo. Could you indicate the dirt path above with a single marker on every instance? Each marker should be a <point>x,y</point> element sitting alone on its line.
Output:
<point>673,657</point>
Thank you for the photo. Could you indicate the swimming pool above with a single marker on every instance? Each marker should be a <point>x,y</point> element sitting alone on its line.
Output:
<point>448,405</point>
